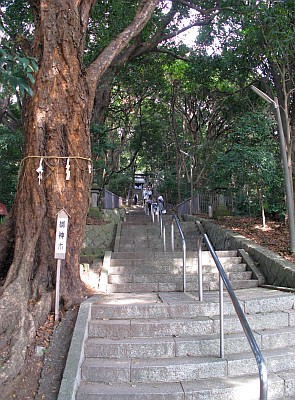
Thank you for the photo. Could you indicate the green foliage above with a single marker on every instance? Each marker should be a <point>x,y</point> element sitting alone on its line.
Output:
<point>11,146</point>
<point>16,71</point>
<point>120,184</point>
<point>16,20</point>
<point>249,163</point>
<point>257,40</point>
<point>108,19</point>
<point>167,186</point>
<point>230,147</point>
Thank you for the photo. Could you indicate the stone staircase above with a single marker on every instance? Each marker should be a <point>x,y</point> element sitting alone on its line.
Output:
<point>139,263</point>
<point>146,339</point>
<point>145,272</point>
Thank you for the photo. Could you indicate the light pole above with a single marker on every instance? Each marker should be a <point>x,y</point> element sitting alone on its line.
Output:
<point>288,190</point>
<point>191,179</point>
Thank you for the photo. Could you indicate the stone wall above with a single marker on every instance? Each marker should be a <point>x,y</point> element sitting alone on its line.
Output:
<point>116,215</point>
<point>101,238</point>
<point>276,270</point>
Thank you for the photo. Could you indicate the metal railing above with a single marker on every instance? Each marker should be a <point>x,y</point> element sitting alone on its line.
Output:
<point>223,279</point>
<point>163,232</point>
<point>200,202</point>
<point>175,218</point>
<point>247,330</point>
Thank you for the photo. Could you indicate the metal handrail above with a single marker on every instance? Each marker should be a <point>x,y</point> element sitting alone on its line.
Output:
<point>175,218</point>
<point>162,231</point>
<point>247,330</point>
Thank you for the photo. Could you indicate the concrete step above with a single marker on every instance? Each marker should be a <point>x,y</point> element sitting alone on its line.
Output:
<point>151,234</point>
<point>158,262</point>
<point>233,388</point>
<point>174,268</point>
<point>144,271</point>
<point>144,287</point>
<point>152,370</point>
<point>236,284</point>
<point>139,328</point>
<point>245,387</point>
<point>182,309</point>
<point>134,237</point>
<point>123,274</point>
<point>166,274</point>
<point>142,255</point>
<point>175,369</point>
<point>191,346</point>
<point>233,343</point>
<point>171,276</point>
<point>177,286</point>
<point>186,305</point>
<point>128,391</point>
<point>276,360</point>
<point>154,246</point>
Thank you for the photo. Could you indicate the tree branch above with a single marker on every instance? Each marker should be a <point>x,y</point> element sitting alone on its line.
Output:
<point>140,48</point>
<point>106,57</point>
<point>191,5</point>
<point>173,54</point>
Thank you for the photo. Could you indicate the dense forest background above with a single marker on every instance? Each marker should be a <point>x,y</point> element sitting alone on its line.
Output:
<point>191,95</point>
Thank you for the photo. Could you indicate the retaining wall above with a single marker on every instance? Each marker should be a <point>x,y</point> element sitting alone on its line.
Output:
<point>276,270</point>
<point>100,238</point>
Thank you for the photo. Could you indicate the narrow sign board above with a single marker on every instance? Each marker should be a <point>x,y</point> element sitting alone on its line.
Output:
<point>61,235</point>
<point>60,252</point>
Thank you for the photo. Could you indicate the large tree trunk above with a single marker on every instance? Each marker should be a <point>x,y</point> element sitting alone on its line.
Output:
<point>56,129</point>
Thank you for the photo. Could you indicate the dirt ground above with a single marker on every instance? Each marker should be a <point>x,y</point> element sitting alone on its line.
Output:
<point>275,235</point>
<point>41,377</point>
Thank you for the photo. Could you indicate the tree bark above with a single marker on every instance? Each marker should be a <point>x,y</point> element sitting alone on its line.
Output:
<point>56,129</point>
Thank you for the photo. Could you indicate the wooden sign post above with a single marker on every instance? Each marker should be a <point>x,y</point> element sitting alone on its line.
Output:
<point>60,252</point>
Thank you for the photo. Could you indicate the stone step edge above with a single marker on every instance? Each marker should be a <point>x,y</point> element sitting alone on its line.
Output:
<point>212,336</point>
<point>175,254</point>
<point>198,345</point>
<point>205,387</point>
<point>166,277</point>
<point>200,367</point>
<point>169,309</point>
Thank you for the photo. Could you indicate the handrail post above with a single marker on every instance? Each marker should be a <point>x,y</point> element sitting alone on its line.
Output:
<point>164,238</point>
<point>221,317</point>
<point>174,217</point>
<point>200,268</point>
<point>172,236</point>
<point>263,381</point>
<point>184,264</point>
<point>247,330</point>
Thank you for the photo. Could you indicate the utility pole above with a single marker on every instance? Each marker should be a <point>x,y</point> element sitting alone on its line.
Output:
<point>288,190</point>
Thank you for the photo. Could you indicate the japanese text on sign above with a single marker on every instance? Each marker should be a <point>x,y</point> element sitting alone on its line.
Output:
<point>61,235</point>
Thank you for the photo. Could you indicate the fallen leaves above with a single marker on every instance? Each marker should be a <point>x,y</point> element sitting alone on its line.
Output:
<point>45,331</point>
<point>274,236</point>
